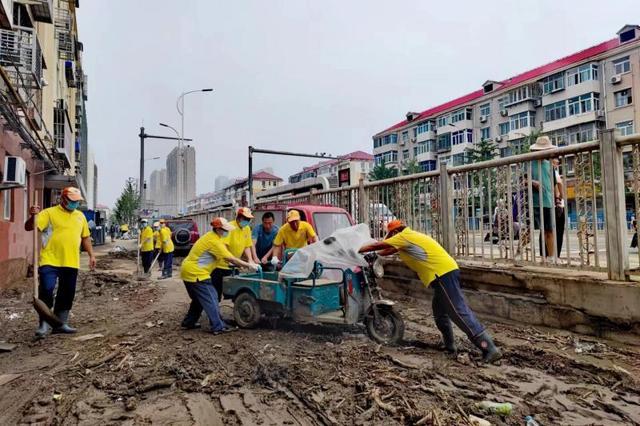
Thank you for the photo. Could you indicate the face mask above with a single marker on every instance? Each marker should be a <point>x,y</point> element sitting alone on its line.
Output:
<point>243,223</point>
<point>72,205</point>
<point>225,234</point>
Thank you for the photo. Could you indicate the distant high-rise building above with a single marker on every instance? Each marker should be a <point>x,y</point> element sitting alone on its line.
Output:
<point>157,190</point>
<point>222,182</point>
<point>189,177</point>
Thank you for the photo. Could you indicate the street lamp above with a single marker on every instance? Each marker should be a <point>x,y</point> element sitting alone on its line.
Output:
<point>180,108</point>
<point>152,158</point>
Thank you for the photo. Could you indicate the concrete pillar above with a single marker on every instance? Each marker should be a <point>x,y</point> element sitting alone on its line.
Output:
<point>446,210</point>
<point>614,206</point>
<point>363,204</point>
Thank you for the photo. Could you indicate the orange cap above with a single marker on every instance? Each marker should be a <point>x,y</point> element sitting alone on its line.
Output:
<point>293,215</point>
<point>221,222</point>
<point>245,212</point>
<point>394,224</point>
<point>72,193</point>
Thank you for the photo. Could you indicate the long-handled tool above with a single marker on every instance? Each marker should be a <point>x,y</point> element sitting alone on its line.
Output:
<point>41,308</point>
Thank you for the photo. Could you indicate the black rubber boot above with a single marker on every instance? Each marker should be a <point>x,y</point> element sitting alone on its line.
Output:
<point>490,353</point>
<point>64,328</point>
<point>43,329</point>
<point>448,338</point>
<point>188,326</point>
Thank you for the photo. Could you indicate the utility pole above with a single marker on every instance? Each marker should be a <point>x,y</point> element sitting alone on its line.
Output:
<point>253,150</point>
<point>142,137</point>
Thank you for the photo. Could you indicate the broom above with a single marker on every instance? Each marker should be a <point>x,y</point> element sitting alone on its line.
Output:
<point>41,308</point>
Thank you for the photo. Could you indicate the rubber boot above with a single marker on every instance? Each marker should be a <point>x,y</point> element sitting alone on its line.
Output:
<point>490,353</point>
<point>64,328</point>
<point>448,338</point>
<point>190,326</point>
<point>43,329</point>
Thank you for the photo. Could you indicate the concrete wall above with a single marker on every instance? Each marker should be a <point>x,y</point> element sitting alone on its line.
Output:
<point>562,299</point>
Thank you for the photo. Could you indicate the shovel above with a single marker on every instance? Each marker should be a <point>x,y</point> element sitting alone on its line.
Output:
<point>41,308</point>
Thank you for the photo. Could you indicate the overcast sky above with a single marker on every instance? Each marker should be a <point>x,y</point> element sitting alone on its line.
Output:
<point>303,75</point>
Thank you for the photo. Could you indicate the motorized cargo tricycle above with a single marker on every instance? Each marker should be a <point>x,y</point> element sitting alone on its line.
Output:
<point>351,298</point>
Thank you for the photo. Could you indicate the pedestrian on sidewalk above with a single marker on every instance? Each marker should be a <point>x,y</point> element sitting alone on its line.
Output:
<point>207,255</point>
<point>157,244</point>
<point>64,229</point>
<point>167,249</point>
<point>437,269</point>
<point>146,245</point>
<point>544,187</point>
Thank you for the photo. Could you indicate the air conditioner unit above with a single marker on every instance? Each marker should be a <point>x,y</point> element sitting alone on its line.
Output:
<point>537,103</point>
<point>615,79</point>
<point>15,171</point>
<point>503,112</point>
<point>498,138</point>
<point>413,139</point>
<point>600,113</point>
<point>483,118</point>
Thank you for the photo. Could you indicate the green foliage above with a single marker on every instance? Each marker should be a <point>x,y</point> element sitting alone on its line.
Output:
<point>127,204</point>
<point>410,167</point>
<point>381,171</point>
<point>484,150</point>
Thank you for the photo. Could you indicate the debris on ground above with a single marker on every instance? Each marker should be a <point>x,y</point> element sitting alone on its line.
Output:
<point>6,347</point>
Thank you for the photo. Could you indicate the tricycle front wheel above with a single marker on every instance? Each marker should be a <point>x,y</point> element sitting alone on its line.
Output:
<point>246,310</point>
<point>384,325</point>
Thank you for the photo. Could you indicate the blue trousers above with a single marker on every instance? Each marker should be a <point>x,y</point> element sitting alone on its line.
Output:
<point>449,305</point>
<point>168,264</point>
<point>147,259</point>
<point>203,296</point>
<point>65,278</point>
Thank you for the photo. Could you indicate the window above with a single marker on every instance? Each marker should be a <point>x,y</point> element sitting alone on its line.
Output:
<point>502,102</point>
<point>518,146</point>
<point>522,120</point>
<point>621,65</point>
<point>405,136</point>
<point>427,126</point>
<point>555,111</point>
<point>457,116</point>
<point>7,209</point>
<point>503,128</point>
<point>422,147</point>
<point>386,157</point>
<point>427,166</point>
<point>625,128</point>
<point>462,136</point>
<point>585,103</point>
<point>505,152</point>
<point>485,109</point>
<point>458,159</point>
<point>558,138</point>
<point>328,223</point>
<point>444,142</point>
<point>443,121</point>
<point>582,133</point>
<point>623,97</point>
<point>485,133</point>
<point>394,138</point>
<point>553,83</point>
<point>518,95</point>
<point>582,73</point>
<point>405,154</point>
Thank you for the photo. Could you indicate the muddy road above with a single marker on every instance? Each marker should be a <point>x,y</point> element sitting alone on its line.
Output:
<point>131,364</point>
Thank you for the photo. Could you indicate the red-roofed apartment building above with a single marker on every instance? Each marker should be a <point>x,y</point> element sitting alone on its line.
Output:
<point>569,100</point>
<point>346,170</point>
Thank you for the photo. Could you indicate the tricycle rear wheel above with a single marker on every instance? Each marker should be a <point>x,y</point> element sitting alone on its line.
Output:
<point>385,325</point>
<point>246,310</point>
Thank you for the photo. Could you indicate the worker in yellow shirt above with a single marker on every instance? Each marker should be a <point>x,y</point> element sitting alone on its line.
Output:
<point>146,245</point>
<point>206,256</point>
<point>436,268</point>
<point>239,244</point>
<point>157,243</point>
<point>167,249</point>
<point>64,229</point>
<point>294,234</point>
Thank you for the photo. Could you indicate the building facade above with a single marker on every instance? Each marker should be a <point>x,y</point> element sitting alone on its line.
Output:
<point>346,170</point>
<point>188,158</point>
<point>221,182</point>
<point>43,121</point>
<point>569,100</point>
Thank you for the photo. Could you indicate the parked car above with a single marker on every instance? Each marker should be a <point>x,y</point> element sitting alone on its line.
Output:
<point>184,233</point>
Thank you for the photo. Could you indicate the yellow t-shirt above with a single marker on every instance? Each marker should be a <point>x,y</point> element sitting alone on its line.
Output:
<point>62,231</point>
<point>146,239</point>
<point>294,239</point>
<point>207,254</point>
<point>165,237</point>
<point>157,241</point>
<point>422,254</point>
<point>238,239</point>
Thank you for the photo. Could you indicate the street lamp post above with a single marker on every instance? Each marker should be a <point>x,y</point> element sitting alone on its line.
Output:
<point>180,108</point>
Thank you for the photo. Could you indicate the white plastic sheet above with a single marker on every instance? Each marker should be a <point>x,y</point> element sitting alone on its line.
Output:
<point>339,250</point>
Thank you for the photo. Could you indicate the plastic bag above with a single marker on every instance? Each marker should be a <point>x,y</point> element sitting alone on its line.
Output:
<point>339,250</point>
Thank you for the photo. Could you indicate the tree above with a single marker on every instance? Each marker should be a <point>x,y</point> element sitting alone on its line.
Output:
<point>410,167</point>
<point>127,204</point>
<point>484,150</point>
<point>381,171</point>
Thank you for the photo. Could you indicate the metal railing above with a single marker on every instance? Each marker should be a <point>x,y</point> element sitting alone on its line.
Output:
<point>62,133</point>
<point>21,55</point>
<point>509,211</point>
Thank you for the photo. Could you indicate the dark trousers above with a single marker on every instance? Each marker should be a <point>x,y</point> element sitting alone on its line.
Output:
<point>449,305</point>
<point>203,296</point>
<point>65,278</point>
<point>216,278</point>
<point>147,260</point>
<point>168,264</point>
<point>559,229</point>
<point>160,255</point>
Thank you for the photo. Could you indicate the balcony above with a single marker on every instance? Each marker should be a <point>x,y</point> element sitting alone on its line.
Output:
<point>63,31</point>
<point>62,133</point>
<point>21,56</point>
<point>42,10</point>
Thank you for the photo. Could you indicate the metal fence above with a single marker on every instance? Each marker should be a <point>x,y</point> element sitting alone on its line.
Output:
<point>509,211</point>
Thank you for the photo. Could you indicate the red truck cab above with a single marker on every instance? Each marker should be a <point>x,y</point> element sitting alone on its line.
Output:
<point>324,219</point>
